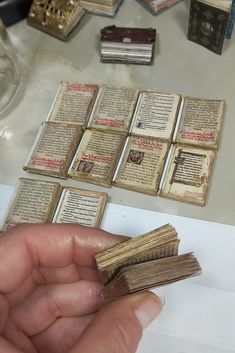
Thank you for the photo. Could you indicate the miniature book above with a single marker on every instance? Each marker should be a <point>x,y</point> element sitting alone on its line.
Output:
<point>101,7</point>
<point>57,17</point>
<point>80,206</point>
<point>210,22</point>
<point>39,201</point>
<point>157,6</point>
<point>96,157</point>
<point>53,149</point>
<point>200,122</point>
<point>141,165</point>
<point>114,109</point>
<point>35,202</point>
<point>156,114</point>
<point>144,262</point>
<point>187,174</point>
<point>127,45</point>
<point>73,103</point>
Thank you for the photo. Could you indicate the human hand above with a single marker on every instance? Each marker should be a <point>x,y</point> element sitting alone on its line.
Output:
<point>50,294</point>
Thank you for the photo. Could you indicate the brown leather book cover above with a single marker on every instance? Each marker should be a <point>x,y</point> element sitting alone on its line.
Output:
<point>128,35</point>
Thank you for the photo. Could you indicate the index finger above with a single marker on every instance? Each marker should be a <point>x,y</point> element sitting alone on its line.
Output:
<point>48,245</point>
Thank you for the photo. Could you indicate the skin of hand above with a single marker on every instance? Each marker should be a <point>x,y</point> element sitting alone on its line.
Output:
<point>50,294</point>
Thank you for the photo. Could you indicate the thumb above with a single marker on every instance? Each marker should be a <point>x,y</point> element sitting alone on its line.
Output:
<point>118,327</point>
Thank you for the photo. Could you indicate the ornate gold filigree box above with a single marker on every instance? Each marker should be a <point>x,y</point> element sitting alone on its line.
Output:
<point>56,17</point>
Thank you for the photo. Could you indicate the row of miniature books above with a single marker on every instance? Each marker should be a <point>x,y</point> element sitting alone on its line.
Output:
<point>149,142</point>
<point>210,22</point>
<point>60,18</point>
<point>127,45</point>
<point>110,7</point>
<point>41,201</point>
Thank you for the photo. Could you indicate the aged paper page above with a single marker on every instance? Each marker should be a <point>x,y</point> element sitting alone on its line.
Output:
<point>80,206</point>
<point>96,157</point>
<point>201,121</point>
<point>73,103</point>
<point>35,202</point>
<point>142,164</point>
<point>53,149</point>
<point>156,115</point>
<point>114,109</point>
<point>188,174</point>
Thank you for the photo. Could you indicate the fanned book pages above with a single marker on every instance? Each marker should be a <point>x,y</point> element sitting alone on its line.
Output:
<point>210,22</point>
<point>141,165</point>
<point>127,45</point>
<point>57,17</point>
<point>73,103</point>
<point>53,149</point>
<point>101,7</point>
<point>188,174</point>
<point>38,201</point>
<point>96,157</point>
<point>157,6</point>
<point>145,262</point>
<point>201,122</point>
<point>114,109</point>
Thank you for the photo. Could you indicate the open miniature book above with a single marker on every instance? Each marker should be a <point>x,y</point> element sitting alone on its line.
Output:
<point>144,262</point>
<point>38,201</point>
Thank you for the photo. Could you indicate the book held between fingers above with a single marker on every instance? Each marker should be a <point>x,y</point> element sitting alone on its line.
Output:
<point>145,262</point>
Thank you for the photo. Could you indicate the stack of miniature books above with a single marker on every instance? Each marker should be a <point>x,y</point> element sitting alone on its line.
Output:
<point>57,18</point>
<point>157,6</point>
<point>127,45</point>
<point>101,7</point>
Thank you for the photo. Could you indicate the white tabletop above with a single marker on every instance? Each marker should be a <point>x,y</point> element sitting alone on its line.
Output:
<point>180,66</point>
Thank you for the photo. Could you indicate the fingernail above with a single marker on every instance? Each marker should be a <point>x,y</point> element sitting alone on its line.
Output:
<point>148,309</point>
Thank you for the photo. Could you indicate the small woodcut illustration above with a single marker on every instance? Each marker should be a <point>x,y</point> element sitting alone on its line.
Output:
<point>135,157</point>
<point>188,169</point>
<point>85,167</point>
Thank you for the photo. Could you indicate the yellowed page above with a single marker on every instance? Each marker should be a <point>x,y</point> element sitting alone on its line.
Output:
<point>188,174</point>
<point>96,157</point>
<point>201,121</point>
<point>142,164</point>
